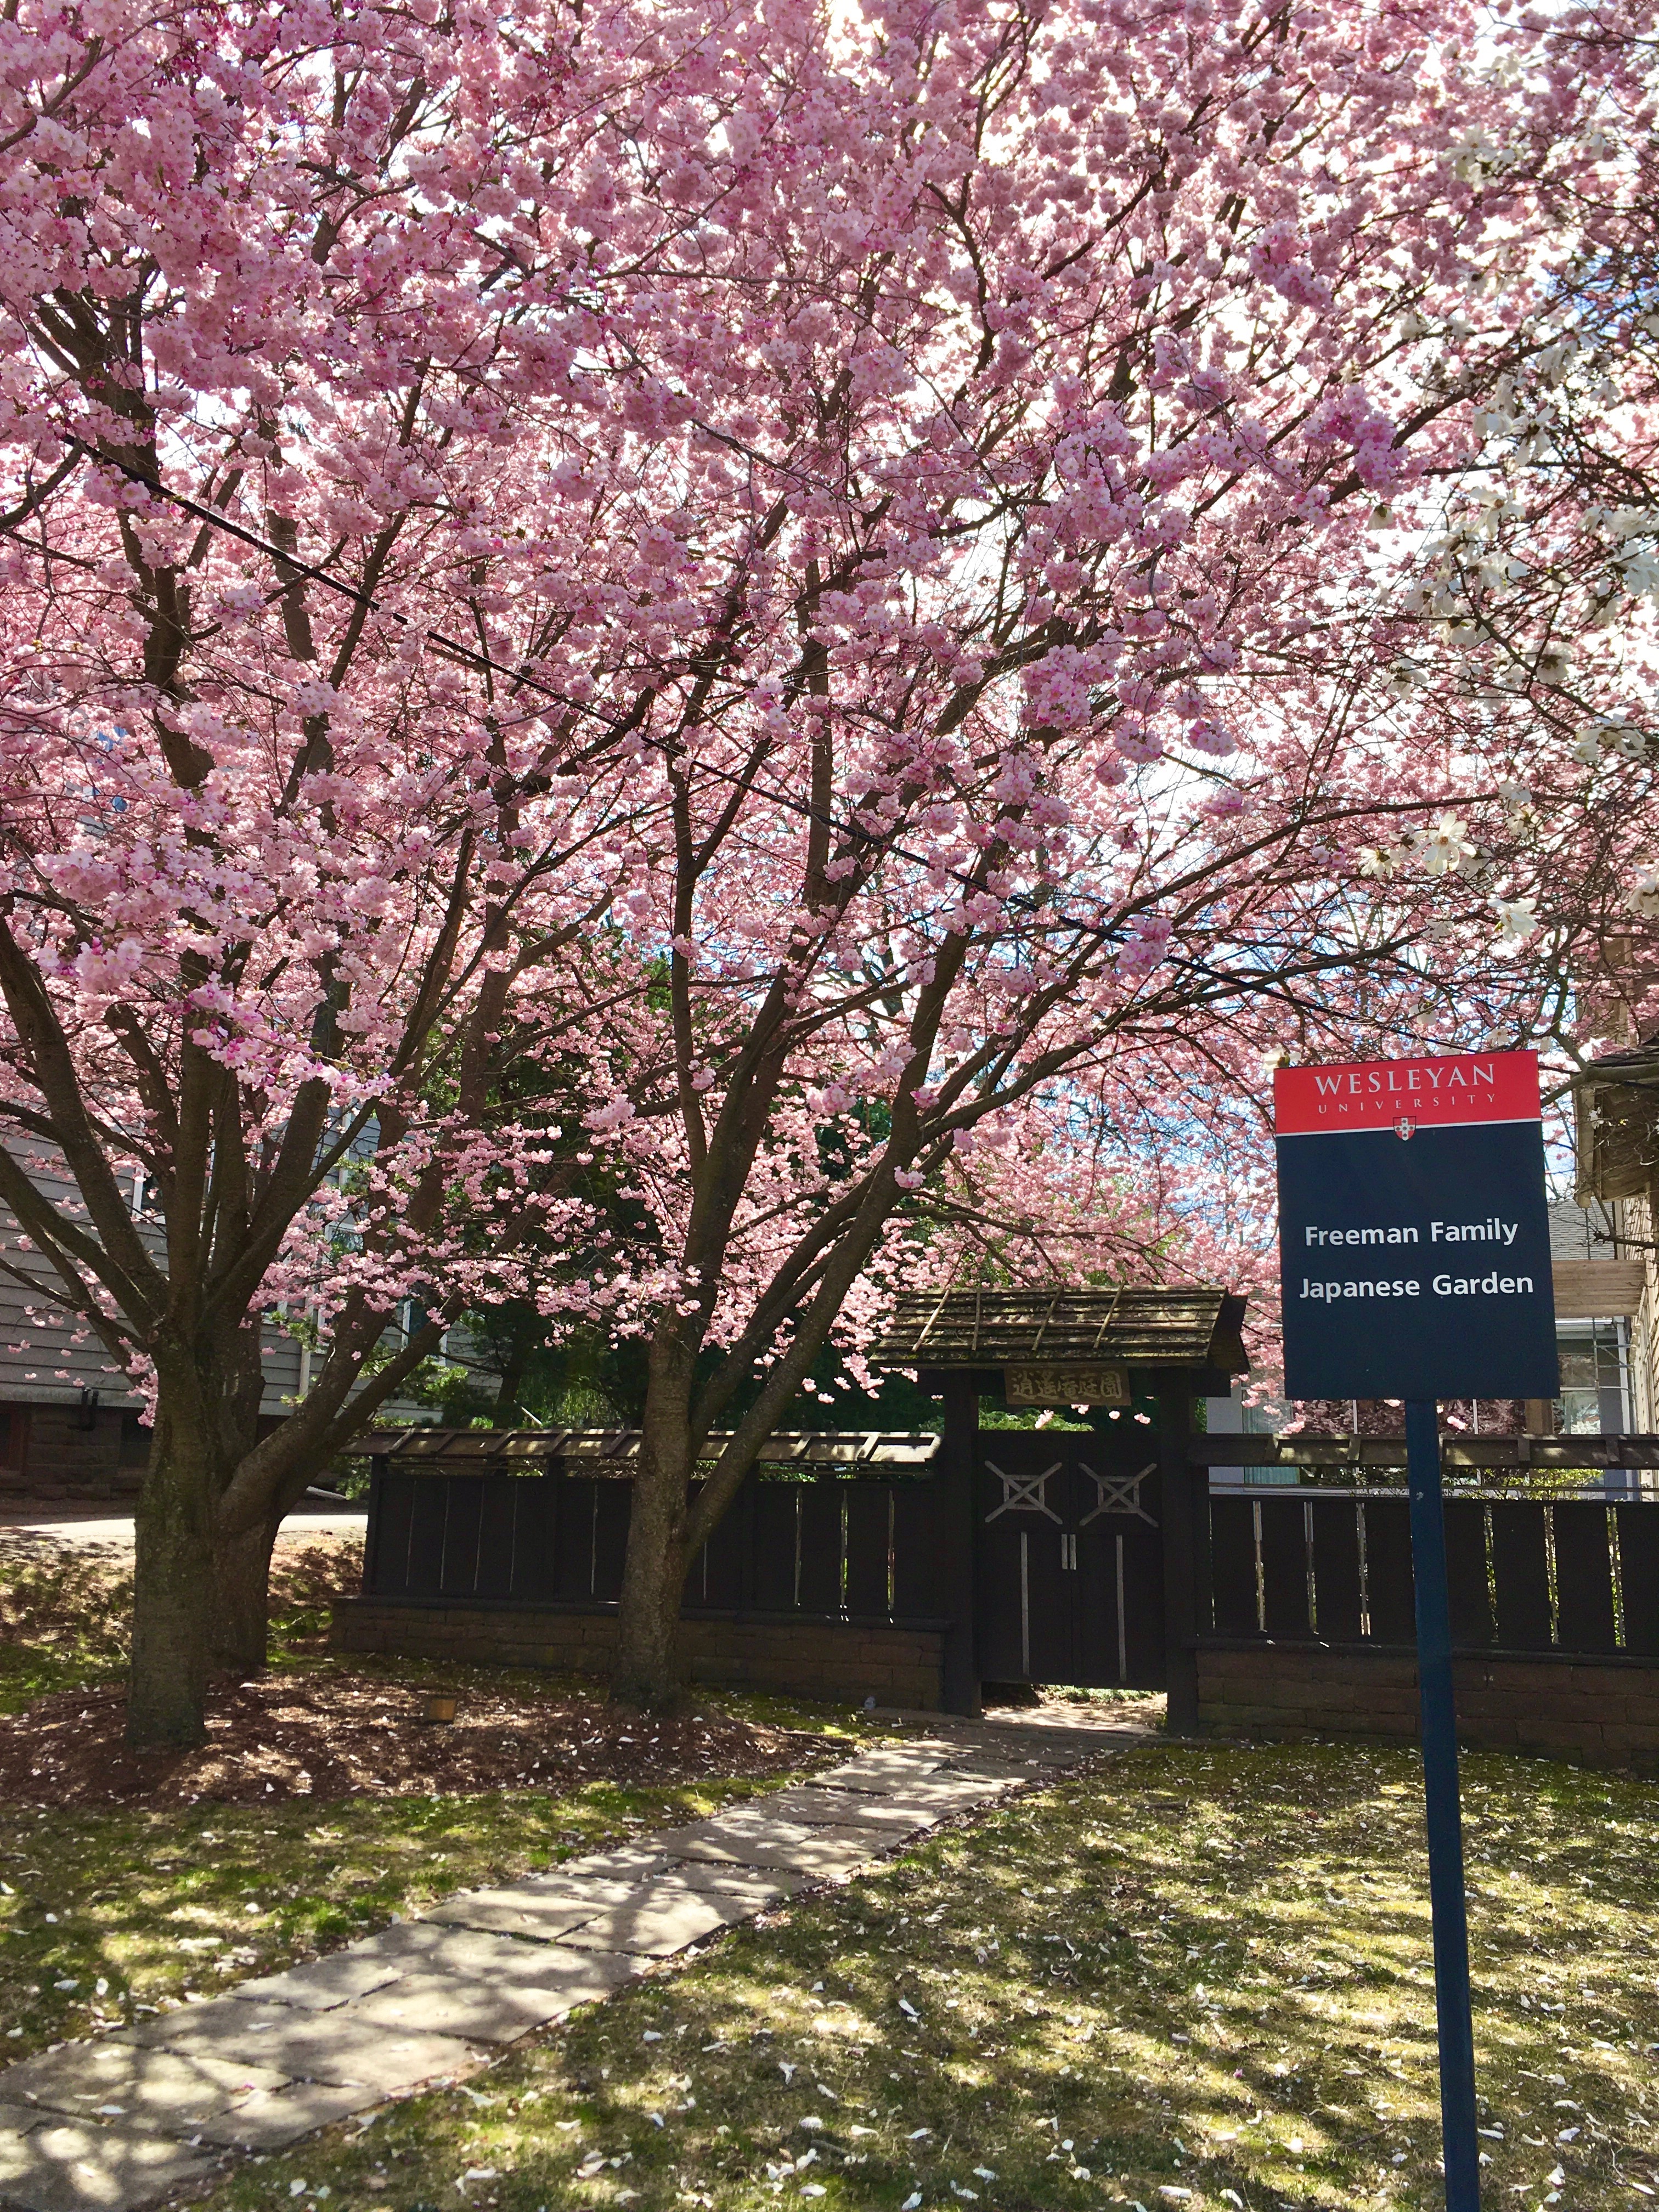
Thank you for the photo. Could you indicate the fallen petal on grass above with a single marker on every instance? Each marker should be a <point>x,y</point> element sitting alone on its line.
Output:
<point>1272,1902</point>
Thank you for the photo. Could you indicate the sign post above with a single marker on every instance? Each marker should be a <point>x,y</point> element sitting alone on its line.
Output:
<point>1442,1809</point>
<point>1415,1263</point>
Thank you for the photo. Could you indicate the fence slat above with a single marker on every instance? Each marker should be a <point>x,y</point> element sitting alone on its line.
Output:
<point>775,1508</point>
<point>394,1515</point>
<point>820,1546</point>
<point>1638,1577</point>
<point>616,1511</point>
<point>866,1548</point>
<point>532,1538</point>
<point>1520,1564</point>
<point>1232,1566</point>
<point>915,1551</point>
<point>459,1576</point>
<point>492,1577</point>
<point>429,1512</point>
<point>715,1582</point>
<point>1583,1577</point>
<point>1285,1570</point>
<point>1336,1569</point>
<point>1390,1594</point>
<point>573,1553</point>
<point>1466,1573</point>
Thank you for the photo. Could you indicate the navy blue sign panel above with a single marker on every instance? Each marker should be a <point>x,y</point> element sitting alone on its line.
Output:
<point>1413,1229</point>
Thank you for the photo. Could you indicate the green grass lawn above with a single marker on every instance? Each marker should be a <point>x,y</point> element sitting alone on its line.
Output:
<point>63,1623</point>
<point>66,1616</point>
<point>1198,1978</point>
<point>106,1910</point>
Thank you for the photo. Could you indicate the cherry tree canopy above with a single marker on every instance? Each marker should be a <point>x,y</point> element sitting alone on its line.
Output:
<point>790,605</point>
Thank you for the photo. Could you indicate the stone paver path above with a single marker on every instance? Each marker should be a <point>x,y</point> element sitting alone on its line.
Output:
<point>111,2124</point>
<point>28,1531</point>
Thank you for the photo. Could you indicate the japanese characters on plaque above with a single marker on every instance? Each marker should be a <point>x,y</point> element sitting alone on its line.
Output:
<point>1066,1385</point>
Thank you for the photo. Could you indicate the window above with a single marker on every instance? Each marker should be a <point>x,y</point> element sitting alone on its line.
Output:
<point>1228,1416</point>
<point>1594,1399</point>
<point>1266,1420</point>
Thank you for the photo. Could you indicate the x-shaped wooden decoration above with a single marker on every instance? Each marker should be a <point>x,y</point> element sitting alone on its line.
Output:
<point>1116,1493</point>
<point>1024,1493</point>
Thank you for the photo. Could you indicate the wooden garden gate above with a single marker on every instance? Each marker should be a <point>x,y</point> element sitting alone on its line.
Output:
<point>1068,1556</point>
<point>1071,1559</point>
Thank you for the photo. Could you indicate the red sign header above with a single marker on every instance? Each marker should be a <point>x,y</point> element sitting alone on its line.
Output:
<point>1458,1089</point>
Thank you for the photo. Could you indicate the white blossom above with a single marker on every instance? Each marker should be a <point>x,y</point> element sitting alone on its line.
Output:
<point>1516,920</point>
<point>1474,155</point>
<point>1610,734</point>
<point>1446,849</point>
<point>1404,677</point>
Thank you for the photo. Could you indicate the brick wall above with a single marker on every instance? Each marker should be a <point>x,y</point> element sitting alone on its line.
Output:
<point>1602,1711</point>
<point>844,1661</point>
<point>63,1458</point>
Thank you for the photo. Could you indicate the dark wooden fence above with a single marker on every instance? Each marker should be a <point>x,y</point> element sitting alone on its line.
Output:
<point>1574,1577</point>
<point>833,1548</point>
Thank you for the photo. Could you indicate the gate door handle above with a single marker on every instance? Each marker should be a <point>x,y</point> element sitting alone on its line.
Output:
<point>1068,1554</point>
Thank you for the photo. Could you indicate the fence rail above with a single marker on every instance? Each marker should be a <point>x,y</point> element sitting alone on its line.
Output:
<point>1572,1577</point>
<point>1488,1453</point>
<point>833,1548</point>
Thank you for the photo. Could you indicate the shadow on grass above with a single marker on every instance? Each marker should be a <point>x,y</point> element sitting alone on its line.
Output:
<point>1198,1977</point>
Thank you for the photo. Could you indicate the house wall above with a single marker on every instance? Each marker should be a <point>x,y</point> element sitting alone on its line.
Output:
<point>1633,1221</point>
<point>63,1454</point>
<point>54,1445</point>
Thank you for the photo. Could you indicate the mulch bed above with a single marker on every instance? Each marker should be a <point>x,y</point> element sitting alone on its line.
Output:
<point>331,1736</point>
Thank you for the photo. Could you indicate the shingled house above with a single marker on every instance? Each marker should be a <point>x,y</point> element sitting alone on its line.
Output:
<point>1617,1100</point>
<point>72,1428</point>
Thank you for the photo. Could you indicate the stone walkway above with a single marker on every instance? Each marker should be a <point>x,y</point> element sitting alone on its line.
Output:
<point>112,2123</point>
<point>52,1525</point>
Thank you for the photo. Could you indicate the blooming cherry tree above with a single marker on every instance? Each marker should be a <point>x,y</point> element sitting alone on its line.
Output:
<point>293,809</point>
<point>1023,753</point>
<point>780,607</point>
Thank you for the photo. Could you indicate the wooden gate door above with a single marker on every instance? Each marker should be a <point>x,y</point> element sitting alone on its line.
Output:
<point>1070,1573</point>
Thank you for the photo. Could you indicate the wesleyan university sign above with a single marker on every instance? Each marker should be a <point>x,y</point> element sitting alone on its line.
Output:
<point>1413,1234</point>
<point>1414,1259</point>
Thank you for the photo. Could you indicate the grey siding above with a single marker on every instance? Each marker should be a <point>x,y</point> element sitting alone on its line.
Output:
<point>51,1363</point>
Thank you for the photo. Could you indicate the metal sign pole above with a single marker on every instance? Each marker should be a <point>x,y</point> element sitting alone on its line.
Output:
<point>1444,1814</point>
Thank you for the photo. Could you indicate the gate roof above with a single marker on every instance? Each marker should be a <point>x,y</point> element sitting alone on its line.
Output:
<point>1196,1327</point>
<point>614,1451</point>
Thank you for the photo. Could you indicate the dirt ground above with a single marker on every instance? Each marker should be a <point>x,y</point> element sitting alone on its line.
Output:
<point>314,1728</point>
<point>331,1735</point>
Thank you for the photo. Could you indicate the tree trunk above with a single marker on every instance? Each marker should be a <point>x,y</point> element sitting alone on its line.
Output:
<point>648,1668</point>
<point>239,1624</point>
<point>512,1381</point>
<point>173,1572</point>
<point>648,1671</point>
